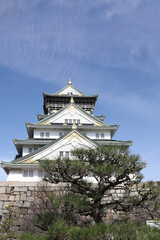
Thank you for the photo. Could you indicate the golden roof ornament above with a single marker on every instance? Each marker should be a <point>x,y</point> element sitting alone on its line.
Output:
<point>72,100</point>
<point>69,82</point>
<point>74,126</point>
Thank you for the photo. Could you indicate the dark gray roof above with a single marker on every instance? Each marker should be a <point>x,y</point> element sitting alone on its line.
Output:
<point>31,141</point>
<point>41,116</point>
<point>113,142</point>
<point>102,117</point>
<point>69,126</point>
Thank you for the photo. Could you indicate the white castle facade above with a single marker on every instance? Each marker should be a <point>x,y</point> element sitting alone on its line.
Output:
<point>67,123</point>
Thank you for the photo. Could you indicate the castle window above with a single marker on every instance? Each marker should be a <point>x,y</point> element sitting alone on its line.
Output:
<point>40,173</point>
<point>70,120</point>
<point>41,134</point>
<point>66,121</point>
<point>67,154</point>
<point>74,120</point>
<point>102,135</point>
<point>28,173</point>
<point>29,150</point>
<point>60,134</point>
<point>61,154</point>
<point>47,134</point>
<point>78,121</point>
<point>25,173</point>
<point>97,135</point>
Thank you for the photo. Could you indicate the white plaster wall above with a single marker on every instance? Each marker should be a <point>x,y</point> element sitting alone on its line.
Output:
<point>92,135</point>
<point>72,113</point>
<point>17,175</point>
<point>73,140</point>
<point>68,146</point>
<point>25,151</point>
<point>52,134</point>
<point>69,89</point>
<point>55,135</point>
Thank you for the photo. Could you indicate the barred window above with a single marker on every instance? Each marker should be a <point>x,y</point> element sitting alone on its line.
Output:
<point>97,135</point>
<point>28,173</point>
<point>40,173</point>
<point>41,134</point>
<point>66,154</point>
<point>30,150</point>
<point>61,154</point>
<point>102,135</point>
<point>47,134</point>
<point>60,134</point>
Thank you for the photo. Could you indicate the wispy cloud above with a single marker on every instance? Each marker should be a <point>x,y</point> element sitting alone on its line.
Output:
<point>134,104</point>
<point>46,38</point>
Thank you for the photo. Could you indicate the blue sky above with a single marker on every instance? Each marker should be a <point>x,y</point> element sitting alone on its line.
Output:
<point>107,47</point>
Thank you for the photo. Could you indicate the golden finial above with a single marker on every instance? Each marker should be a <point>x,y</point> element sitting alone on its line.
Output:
<point>69,82</point>
<point>74,126</point>
<point>72,100</point>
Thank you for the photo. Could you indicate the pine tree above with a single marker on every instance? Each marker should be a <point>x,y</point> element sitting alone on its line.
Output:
<point>110,167</point>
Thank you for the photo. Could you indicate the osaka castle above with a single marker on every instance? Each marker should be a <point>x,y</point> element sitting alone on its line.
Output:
<point>68,122</point>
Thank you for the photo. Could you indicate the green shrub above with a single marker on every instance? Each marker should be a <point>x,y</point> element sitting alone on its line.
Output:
<point>59,230</point>
<point>31,236</point>
<point>126,230</point>
<point>6,225</point>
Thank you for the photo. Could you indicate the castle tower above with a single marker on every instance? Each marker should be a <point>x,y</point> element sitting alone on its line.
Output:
<point>67,123</point>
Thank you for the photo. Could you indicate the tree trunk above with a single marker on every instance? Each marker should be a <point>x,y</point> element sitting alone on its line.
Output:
<point>96,215</point>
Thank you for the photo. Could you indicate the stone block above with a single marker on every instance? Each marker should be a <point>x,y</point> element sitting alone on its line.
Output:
<point>3,197</point>
<point>2,189</point>
<point>8,189</point>
<point>20,221</point>
<point>12,203</point>
<point>19,204</point>
<point>18,233</point>
<point>23,197</point>
<point>31,199</point>
<point>28,193</point>
<point>11,198</point>
<point>1,204</point>
<point>30,184</point>
<point>27,204</point>
<point>30,212</point>
<point>23,228</point>
<point>15,184</point>
<point>16,193</point>
<point>34,194</point>
<point>6,204</point>
<point>23,211</point>
<point>30,228</point>
<point>118,191</point>
<point>31,188</point>
<point>4,184</point>
<point>20,189</point>
<point>17,197</point>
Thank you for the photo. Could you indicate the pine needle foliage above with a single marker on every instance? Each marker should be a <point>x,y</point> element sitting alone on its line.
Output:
<point>7,224</point>
<point>111,168</point>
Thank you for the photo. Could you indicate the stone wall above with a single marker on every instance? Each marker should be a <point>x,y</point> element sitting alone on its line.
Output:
<point>31,198</point>
<point>27,200</point>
